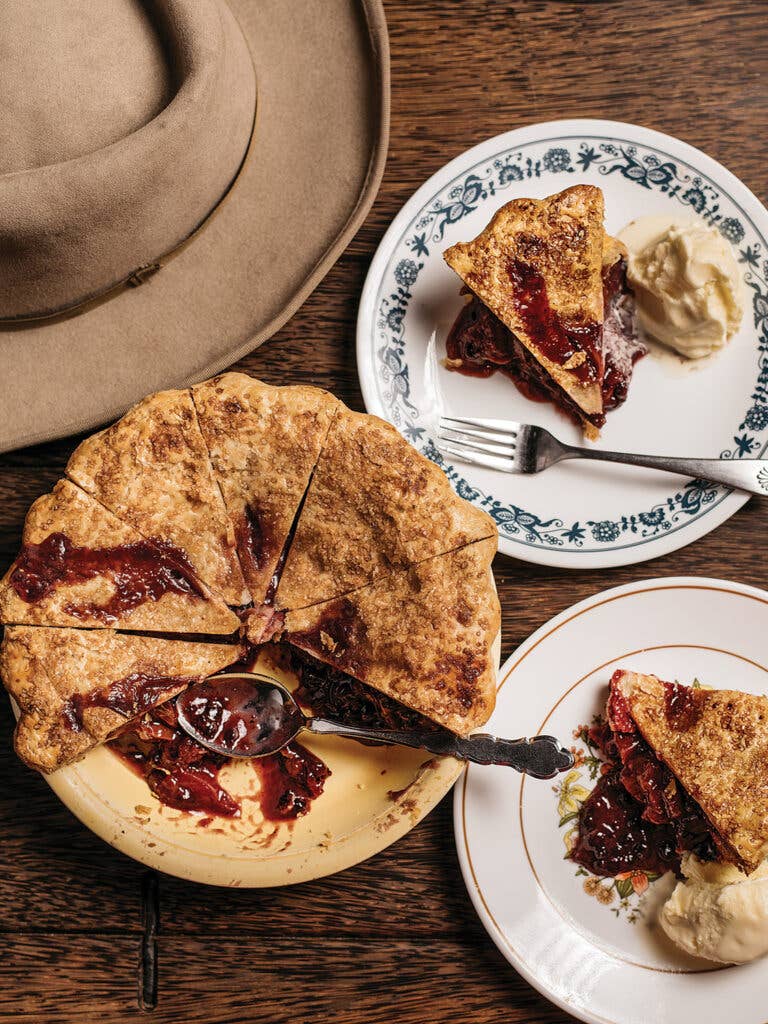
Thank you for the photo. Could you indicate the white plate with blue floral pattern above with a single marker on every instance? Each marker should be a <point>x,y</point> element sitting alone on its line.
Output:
<point>576,515</point>
<point>591,945</point>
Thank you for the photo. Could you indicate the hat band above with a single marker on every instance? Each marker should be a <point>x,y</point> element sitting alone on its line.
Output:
<point>74,234</point>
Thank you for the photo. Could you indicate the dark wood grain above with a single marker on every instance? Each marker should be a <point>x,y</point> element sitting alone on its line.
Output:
<point>394,939</point>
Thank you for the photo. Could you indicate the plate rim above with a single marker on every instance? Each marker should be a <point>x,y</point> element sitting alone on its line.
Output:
<point>575,610</point>
<point>730,502</point>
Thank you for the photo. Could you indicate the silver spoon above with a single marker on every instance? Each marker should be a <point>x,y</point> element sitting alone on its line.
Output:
<point>244,714</point>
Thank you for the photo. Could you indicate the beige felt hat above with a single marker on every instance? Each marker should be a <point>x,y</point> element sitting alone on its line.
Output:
<point>175,177</point>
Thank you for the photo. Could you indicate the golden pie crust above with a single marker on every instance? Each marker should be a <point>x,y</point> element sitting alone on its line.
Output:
<point>375,505</point>
<point>373,533</point>
<point>422,635</point>
<point>720,758</point>
<point>43,669</point>
<point>263,442</point>
<point>152,470</point>
<point>85,523</point>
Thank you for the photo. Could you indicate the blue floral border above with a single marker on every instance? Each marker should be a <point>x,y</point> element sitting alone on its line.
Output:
<point>648,168</point>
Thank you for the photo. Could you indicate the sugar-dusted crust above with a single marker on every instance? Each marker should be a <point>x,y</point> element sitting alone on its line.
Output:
<point>375,505</point>
<point>69,511</point>
<point>561,237</point>
<point>151,469</point>
<point>263,442</point>
<point>720,757</point>
<point>422,635</point>
<point>44,668</point>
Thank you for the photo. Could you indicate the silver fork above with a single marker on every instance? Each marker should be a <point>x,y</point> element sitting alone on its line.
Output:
<point>522,448</point>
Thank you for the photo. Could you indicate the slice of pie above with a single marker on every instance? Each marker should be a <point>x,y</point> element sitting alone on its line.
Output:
<point>263,442</point>
<point>693,764</point>
<point>422,636</point>
<point>550,305</point>
<point>75,688</point>
<point>152,470</point>
<point>79,565</point>
<point>375,505</point>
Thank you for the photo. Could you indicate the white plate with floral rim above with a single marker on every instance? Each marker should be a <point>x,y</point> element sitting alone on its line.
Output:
<point>592,945</point>
<point>576,515</point>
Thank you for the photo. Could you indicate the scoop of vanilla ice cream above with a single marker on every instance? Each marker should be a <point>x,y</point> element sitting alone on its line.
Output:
<point>686,281</point>
<point>718,912</point>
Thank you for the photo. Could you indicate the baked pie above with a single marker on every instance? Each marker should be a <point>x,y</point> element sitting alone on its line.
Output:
<point>209,521</point>
<point>687,771</point>
<point>549,305</point>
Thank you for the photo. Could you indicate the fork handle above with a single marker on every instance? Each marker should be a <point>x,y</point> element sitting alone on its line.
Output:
<point>745,474</point>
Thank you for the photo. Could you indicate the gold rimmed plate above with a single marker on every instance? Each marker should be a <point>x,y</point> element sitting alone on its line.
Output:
<point>593,946</point>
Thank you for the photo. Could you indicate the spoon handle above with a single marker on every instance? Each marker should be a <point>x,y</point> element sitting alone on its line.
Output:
<point>542,757</point>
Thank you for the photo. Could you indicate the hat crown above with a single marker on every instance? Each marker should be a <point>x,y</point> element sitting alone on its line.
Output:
<point>122,141</point>
<point>76,77</point>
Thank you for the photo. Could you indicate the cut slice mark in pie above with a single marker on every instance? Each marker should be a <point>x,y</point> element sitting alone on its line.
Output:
<point>151,469</point>
<point>263,443</point>
<point>550,305</point>
<point>76,688</point>
<point>690,773</point>
<point>422,635</point>
<point>374,506</point>
<point>79,565</point>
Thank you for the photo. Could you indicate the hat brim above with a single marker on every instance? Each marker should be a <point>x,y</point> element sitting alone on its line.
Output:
<point>316,160</point>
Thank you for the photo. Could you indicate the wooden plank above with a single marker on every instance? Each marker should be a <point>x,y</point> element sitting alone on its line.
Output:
<point>302,981</point>
<point>55,872</point>
<point>65,977</point>
<point>421,870</point>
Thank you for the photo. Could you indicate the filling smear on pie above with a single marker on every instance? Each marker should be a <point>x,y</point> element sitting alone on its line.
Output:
<point>549,305</point>
<point>687,772</point>
<point>152,470</point>
<point>80,565</point>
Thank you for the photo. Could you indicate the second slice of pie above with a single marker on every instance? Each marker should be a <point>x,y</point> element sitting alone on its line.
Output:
<point>375,506</point>
<point>79,565</point>
<point>422,636</point>
<point>688,773</point>
<point>75,688</point>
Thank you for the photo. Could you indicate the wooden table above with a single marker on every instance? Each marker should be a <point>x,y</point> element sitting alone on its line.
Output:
<point>91,936</point>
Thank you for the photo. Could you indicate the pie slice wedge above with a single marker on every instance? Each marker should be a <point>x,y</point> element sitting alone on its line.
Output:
<point>715,744</point>
<point>263,443</point>
<point>545,278</point>
<point>79,565</point>
<point>422,636</point>
<point>152,470</point>
<point>75,688</point>
<point>375,505</point>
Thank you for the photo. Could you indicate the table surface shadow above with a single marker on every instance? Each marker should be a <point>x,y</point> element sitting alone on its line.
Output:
<point>91,936</point>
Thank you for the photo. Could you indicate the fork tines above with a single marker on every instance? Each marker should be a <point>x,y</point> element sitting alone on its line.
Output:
<point>489,443</point>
